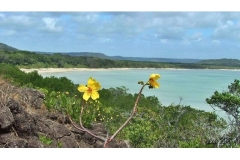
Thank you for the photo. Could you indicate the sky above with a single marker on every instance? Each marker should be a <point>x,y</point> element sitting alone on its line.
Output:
<point>160,34</point>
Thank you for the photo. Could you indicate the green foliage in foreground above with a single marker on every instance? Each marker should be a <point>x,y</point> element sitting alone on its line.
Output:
<point>34,80</point>
<point>45,140</point>
<point>154,125</point>
<point>229,102</point>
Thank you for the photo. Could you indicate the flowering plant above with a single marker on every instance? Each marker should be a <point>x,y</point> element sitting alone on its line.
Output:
<point>91,91</point>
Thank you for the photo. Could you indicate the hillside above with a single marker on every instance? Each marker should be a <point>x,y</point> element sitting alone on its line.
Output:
<point>221,62</point>
<point>89,57</point>
<point>26,59</point>
<point>37,118</point>
<point>5,47</point>
<point>28,124</point>
<point>166,60</point>
<point>140,59</point>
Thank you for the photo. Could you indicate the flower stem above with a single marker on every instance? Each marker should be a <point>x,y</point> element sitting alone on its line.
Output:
<point>127,121</point>
<point>80,119</point>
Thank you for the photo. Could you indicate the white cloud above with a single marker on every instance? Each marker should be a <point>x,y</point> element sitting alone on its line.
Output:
<point>104,40</point>
<point>24,20</point>
<point>227,30</point>
<point>164,41</point>
<point>50,25</point>
<point>10,32</point>
<point>86,17</point>
<point>197,37</point>
<point>19,20</point>
<point>216,42</point>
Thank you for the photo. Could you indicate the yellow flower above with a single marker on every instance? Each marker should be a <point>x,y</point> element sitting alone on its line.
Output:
<point>153,80</point>
<point>90,90</point>
<point>67,92</point>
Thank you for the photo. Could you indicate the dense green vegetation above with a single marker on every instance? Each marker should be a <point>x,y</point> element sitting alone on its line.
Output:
<point>229,102</point>
<point>26,59</point>
<point>221,62</point>
<point>154,125</point>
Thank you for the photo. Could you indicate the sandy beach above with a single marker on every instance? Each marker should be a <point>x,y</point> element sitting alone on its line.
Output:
<point>52,70</point>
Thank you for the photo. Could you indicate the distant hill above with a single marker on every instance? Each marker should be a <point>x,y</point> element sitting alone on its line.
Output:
<point>98,60</point>
<point>214,62</point>
<point>103,56</point>
<point>142,59</point>
<point>167,60</point>
<point>88,54</point>
<point>6,47</point>
<point>221,62</point>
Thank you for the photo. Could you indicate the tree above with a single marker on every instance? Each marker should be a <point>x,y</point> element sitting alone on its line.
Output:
<point>229,101</point>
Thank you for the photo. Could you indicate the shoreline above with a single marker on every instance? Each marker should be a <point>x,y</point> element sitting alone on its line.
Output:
<point>50,70</point>
<point>56,70</point>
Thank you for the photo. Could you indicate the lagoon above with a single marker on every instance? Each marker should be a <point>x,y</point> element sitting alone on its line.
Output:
<point>193,86</point>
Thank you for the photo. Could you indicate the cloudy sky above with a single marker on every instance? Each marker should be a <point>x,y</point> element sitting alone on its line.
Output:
<point>201,35</point>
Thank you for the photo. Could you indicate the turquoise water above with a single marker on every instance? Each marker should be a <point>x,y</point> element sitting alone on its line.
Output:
<point>193,86</point>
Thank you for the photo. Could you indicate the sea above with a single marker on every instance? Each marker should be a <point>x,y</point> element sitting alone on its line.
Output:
<point>184,86</point>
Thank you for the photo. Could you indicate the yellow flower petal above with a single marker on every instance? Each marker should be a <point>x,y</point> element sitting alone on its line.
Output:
<point>82,88</point>
<point>153,80</point>
<point>94,84</point>
<point>90,81</point>
<point>95,87</point>
<point>155,84</point>
<point>91,89</point>
<point>94,95</point>
<point>86,96</point>
<point>155,76</point>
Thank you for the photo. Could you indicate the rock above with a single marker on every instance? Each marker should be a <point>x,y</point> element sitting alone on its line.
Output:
<point>14,106</point>
<point>99,129</point>
<point>87,138</point>
<point>68,142</point>
<point>98,144</point>
<point>82,144</point>
<point>76,131</point>
<point>34,142</point>
<point>34,97</point>
<point>6,118</point>
<point>58,117</point>
<point>9,140</point>
<point>60,131</point>
<point>25,123</point>
<point>43,126</point>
